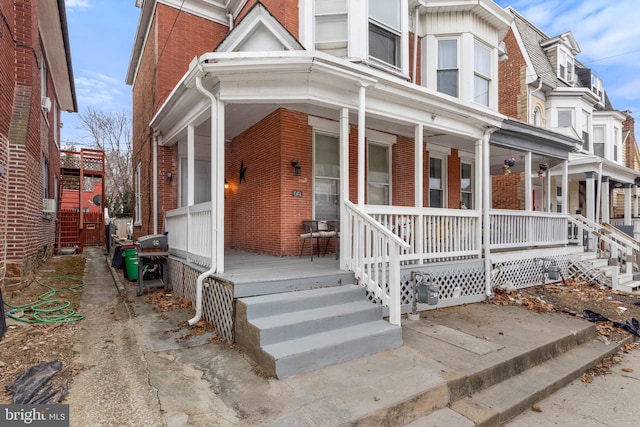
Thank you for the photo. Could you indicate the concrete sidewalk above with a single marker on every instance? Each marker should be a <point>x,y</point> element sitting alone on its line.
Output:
<point>144,367</point>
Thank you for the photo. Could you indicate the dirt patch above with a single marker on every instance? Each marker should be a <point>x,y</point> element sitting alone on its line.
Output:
<point>30,343</point>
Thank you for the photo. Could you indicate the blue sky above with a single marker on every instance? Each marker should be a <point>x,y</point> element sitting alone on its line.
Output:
<point>101,36</point>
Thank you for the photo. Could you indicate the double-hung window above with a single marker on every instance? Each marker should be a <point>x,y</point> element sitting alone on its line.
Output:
<point>385,31</point>
<point>482,76</point>
<point>437,176</point>
<point>466,185</point>
<point>331,26</point>
<point>565,118</point>
<point>327,177</point>
<point>598,140</point>
<point>448,66</point>
<point>616,144</point>
<point>378,174</point>
<point>586,125</point>
<point>565,65</point>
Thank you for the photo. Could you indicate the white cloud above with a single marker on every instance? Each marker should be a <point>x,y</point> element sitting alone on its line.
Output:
<point>99,90</point>
<point>77,3</point>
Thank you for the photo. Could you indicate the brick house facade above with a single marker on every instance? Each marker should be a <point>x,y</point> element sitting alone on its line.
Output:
<point>34,91</point>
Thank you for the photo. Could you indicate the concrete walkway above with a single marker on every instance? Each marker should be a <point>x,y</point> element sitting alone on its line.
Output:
<point>146,368</point>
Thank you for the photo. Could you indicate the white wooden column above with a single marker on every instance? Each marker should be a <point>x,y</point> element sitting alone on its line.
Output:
<point>344,185</point>
<point>190,183</point>
<point>528,194</point>
<point>591,203</point>
<point>565,186</point>
<point>627,204</point>
<point>217,181</point>
<point>361,146</point>
<point>605,198</point>
<point>486,208</point>
<point>478,186</point>
<point>547,197</point>
<point>419,187</point>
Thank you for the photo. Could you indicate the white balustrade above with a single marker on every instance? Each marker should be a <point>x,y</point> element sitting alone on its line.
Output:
<point>190,233</point>
<point>512,229</point>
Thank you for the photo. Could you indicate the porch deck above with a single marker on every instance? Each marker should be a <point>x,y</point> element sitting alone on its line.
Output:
<point>257,274</point>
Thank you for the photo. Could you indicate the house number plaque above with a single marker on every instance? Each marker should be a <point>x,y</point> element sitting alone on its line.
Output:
<point>296,193</point>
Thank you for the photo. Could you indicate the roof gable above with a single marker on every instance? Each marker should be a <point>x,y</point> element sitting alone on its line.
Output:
<point>259,31</point>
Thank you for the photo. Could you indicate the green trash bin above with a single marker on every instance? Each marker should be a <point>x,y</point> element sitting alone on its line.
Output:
<point>131,263</point>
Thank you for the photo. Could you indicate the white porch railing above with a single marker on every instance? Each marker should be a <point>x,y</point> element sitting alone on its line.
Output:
<point>432,234</point>
<point>190,233</point>
<point>373,254</point>
<point>517,229</point>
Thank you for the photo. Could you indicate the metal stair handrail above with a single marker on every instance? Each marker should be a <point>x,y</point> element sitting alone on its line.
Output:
<point>372,251</point>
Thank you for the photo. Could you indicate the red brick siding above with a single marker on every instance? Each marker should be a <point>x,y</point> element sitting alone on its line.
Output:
<point>453,180</point>
<point>512,88</point>
<point>285,11</point>
<point>508,191</point>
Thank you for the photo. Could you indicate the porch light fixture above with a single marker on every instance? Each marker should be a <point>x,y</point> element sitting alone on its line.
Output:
<point>508,164</point>
<point>168,176</point>
<point>226,184</point>
<point>297,169</point>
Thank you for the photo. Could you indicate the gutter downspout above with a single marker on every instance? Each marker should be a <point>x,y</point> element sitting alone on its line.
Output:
<point>529,98</point>
<point>486,207</point>
<point>208,273</point>
<point>230,18</point>
<point>599,194</point>
<point>155,183</point>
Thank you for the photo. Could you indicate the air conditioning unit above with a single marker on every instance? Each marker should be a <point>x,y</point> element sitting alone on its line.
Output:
<point>46,103</point>
<point>48,205</point>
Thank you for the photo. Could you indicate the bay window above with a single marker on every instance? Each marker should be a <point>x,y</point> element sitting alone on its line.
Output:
<point>331,26</point>
<point>385,31</point>
<point>598,140</point>
<point>448,66</point>
<point>482,76</point>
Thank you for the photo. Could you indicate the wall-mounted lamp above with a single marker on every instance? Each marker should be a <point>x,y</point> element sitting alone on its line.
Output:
<point>226,184</point>
<point>168,176</point>
<point>297,168</point>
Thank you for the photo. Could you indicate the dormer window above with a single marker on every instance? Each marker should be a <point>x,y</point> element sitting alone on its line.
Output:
<point>331,26</point>
<point>385,31</point>
<point>565,65</point>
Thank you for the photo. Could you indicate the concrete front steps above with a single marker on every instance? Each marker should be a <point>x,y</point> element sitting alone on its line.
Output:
<point>291,333</point>
<point>489,386</point>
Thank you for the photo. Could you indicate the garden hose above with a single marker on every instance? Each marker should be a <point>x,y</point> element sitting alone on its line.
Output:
<point>48,309</point>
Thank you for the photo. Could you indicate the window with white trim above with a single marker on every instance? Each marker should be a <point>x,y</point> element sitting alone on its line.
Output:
<point>565,65</point>
<point>138,209</point>
<point>378,174</point>
<point>437,181</point>
<point>326,177</point>
<point>482,74</point>
<point>616,144</point>
<point>598,140</point>
<point>331,26</point>
<point>448,66</point>
<point>565,118</point>
<point>385,31</point>
<point>466,185</point>
<point>586,125</point>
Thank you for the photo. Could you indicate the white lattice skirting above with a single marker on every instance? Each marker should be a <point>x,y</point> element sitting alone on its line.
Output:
<point>217,297</point>
<point>526,269</point>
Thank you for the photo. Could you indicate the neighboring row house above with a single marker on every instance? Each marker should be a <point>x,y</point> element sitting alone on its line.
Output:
<point>375,121</point>
<point>36,85</point>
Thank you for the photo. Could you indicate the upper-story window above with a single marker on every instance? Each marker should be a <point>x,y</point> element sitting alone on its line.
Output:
<point>596,85</point>
<point>448,66</point>
<point>586,126</point>
<point>565,118</point>
<point>598,141</point>
<point>565,65</point>
<point>331,33</point>
<point>385,31</point>
<point>537,116</point>
<point>482,70</point>
<point>616,144</point>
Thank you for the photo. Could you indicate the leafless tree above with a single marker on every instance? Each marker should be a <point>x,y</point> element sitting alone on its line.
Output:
<point>111,132</point>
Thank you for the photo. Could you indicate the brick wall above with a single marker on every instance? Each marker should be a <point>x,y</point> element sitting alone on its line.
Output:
<point>285,11</point>
<point>507,191</point>
<point>512,87</point>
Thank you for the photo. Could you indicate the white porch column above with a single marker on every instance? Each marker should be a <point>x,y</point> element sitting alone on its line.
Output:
<point>478,187</point>
<point>361,147</point>
<point>565,186</point>
<point>591,205</point>
<point>635,200</point>
<point>528,195</point>
<point>604,199</point>
<point>217,180</point>
<point>190,182</point>
<point>486,207</point>
<point>419,187</point>
<point>547,196</point>
<point>344,184</point>
<point>191,150</point>
<point>627,204</point>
